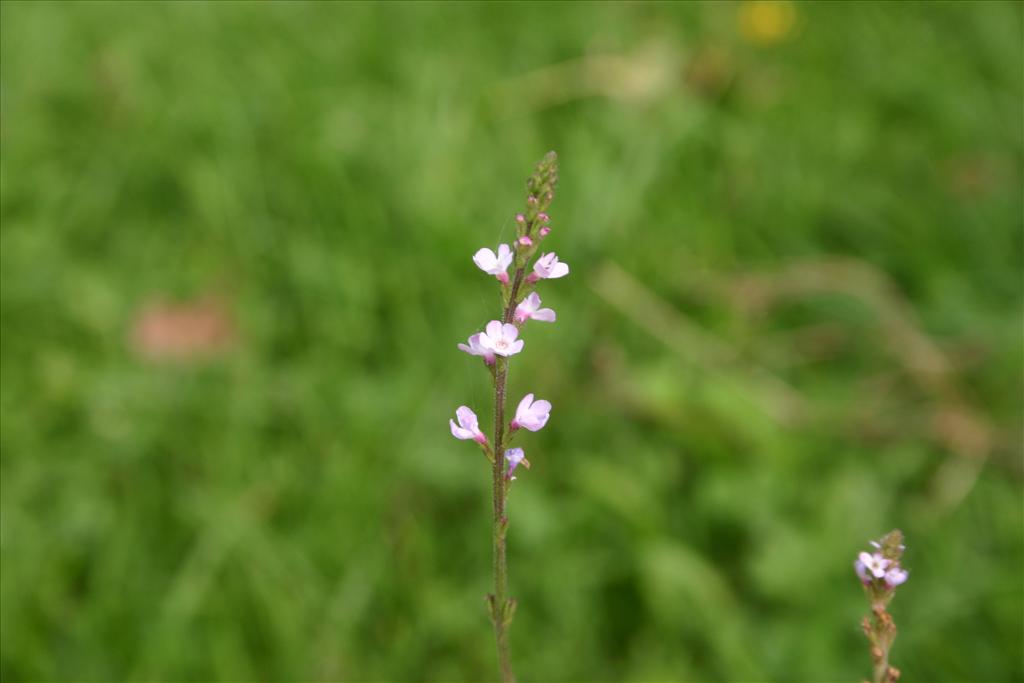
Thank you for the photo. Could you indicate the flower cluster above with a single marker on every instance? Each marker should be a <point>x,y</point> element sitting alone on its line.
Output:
<point>880,572</point>
<point>877,570</point>
<point>500,338</point>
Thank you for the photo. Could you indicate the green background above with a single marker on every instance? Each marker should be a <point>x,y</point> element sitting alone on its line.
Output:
<point>793,322</point>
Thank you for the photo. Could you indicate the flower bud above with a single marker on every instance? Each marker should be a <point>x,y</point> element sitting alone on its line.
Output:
<point>520,218</point>
<point>525,241</point>
<point>544,231</point>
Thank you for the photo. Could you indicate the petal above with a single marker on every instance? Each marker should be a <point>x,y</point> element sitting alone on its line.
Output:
<point>485,259</point>
<point>541,407</point>
<point>515,348</point>
<point>459,432</point>
<point>524,406</point>
<point>865,559</point>
<point>467,418</point>
<point>544,315</point>
<point>895,577</point>
<point>558,270</point>
<point>509,332</point>
<point>504,256</point>
<point>463,347</point>
<point>493,330</point>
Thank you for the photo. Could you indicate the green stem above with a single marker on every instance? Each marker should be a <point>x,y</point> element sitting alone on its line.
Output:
<point>882,667</point>
<point>500,608</point>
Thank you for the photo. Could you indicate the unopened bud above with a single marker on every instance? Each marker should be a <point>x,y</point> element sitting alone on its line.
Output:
<point>544,231</point>
<point>520,218</point>
<point>543,217</point>
<point>531,201</point>
<point>525,241</point>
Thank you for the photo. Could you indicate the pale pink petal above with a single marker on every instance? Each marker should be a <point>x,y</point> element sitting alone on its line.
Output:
<point>485,259</point>
<point>524,406</point>
<point>459,432</point>
<point>467,418</point>
<point>510,331</point>
<point>558,270</point>
<point>545,315</point>
<point>896,576</point>
<point>504,256</point>
<point>493,330</point>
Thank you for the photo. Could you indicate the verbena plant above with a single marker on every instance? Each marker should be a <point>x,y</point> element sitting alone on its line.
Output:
<point>496,345</point>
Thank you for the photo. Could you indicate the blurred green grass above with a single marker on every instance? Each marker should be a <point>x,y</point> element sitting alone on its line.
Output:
<point>793,323</point>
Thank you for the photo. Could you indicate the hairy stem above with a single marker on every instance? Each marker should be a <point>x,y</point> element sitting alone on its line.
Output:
<point>501,605</point>
<point>882,667</point>
<point>513,296</point>
<point>500,609</point>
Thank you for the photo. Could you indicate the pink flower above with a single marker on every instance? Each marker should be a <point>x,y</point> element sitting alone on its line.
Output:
<point>501,339</point>
<point>468,427</point>
<point>475,349</point>
<point>896,576</point>
<point>548,267</point>
<point>515,456</point>
<point>874,563</point>
<point>530,308</point>
<point>531,414</point>
<point>494,264</point>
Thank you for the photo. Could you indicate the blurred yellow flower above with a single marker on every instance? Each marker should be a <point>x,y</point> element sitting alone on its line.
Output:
<point>766,22</point>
